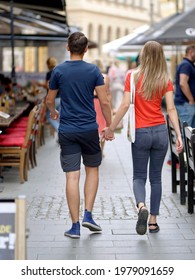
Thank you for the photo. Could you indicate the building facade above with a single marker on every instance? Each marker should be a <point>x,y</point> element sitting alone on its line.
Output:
<point>105,20</point>
<point>101,20</point>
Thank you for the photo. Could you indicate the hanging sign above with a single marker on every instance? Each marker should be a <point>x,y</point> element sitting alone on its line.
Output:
<point>7,229</point>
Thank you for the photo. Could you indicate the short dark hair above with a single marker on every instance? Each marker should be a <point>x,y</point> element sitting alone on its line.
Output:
<point>189,48</point>
<point>77,42</point>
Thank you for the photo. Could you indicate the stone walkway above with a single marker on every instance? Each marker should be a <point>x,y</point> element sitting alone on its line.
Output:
<point>114,210</point>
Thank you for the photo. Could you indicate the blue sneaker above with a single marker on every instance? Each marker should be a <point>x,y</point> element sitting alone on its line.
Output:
<point>74,232</point>
<point>89,223</point>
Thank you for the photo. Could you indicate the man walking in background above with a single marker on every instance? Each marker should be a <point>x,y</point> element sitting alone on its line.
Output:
<point>185,90</point>
<point>185,87</point>
<point>76,81</point>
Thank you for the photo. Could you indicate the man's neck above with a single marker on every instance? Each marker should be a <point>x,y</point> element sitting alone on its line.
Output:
<point>76,56</point>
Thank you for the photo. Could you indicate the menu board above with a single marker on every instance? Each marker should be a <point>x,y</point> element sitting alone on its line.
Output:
<point>7,229</point>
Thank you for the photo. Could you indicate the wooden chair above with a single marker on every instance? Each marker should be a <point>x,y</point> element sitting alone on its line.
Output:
<point>189,142</point>
<point>175,158</point>
<point>14,151</point>
<point>41,124</point>
<point>34,136</point>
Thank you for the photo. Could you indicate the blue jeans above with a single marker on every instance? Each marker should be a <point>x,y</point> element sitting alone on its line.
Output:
<point>150,146</point>
<point>186,112</point>
<point>54,123</point>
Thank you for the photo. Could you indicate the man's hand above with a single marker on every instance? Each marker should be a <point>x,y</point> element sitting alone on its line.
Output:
<point>54,115</point>
<point>107,134</point>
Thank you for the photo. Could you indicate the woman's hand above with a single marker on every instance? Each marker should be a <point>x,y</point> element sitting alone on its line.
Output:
<point>107,134</point>
<point>179,144</point>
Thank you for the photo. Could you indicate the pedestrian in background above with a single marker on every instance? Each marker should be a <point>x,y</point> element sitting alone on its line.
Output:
<point>76,81</point>
<point>152,83</point>
<point>185,90</point>
<point>185,87</point>
<point>116,76</point>
<point>51,63</point>
<point>99,115</point>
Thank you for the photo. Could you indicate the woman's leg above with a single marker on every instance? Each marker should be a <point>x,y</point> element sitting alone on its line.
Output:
<point>157,156</point>
<point>140,153</point>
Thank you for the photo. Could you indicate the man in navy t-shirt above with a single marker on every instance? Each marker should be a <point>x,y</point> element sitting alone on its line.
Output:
<point>185,87</point>
<point>76,80</point>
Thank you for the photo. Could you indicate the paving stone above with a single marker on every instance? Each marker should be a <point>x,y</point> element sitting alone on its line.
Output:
<point>48,215</point>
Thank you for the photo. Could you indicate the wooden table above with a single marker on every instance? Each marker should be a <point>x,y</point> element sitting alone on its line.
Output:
<point>18,111</point>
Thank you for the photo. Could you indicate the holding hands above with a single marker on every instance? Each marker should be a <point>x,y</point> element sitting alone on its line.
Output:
<point>107,134</point>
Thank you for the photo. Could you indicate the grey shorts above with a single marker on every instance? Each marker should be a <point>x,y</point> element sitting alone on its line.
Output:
<point>74,146</point>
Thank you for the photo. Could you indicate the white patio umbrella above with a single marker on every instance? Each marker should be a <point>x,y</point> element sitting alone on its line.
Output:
<point>113,47</point>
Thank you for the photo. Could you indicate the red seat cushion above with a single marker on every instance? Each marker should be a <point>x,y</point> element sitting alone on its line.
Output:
<point>15,129</point>
<point>16,133</point>
<point>15,124</point>
<point>12,141</point>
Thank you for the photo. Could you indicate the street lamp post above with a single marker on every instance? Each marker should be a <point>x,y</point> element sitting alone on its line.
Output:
<point>13,73</point>
<point>151,13</point>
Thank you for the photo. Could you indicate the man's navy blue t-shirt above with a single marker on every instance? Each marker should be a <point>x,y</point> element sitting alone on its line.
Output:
<point>188,68</point>
<point>76,81</point>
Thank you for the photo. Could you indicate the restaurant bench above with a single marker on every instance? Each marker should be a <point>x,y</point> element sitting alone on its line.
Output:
<point>175,158</point>
<point>189,142</point>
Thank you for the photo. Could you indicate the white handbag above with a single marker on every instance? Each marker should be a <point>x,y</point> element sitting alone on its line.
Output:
<point>131,112</point>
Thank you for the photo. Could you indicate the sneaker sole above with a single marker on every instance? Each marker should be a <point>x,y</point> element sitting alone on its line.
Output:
<point>141,226</point>
<point>91,227</point>
<point>72,235</point>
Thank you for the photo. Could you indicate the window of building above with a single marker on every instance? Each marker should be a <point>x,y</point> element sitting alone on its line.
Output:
<point>42,57</point>
<point>118,33</point>
<point>18,59</point>
<point>99,38</point>
<point>30,59</point>
<point>126,31</point>
<point>109,34</point>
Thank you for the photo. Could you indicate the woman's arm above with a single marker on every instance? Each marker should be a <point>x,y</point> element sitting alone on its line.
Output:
<point>172,112</point>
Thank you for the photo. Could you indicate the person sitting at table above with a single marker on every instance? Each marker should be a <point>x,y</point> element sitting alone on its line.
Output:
<point>2,90</point>
<point>51,63</point>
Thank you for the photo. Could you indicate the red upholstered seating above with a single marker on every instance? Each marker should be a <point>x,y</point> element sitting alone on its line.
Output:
<point>12,141</point>
<point>14,133</point>
<point>19,124</point>
<point>15,129</point>
<point>15,146</point>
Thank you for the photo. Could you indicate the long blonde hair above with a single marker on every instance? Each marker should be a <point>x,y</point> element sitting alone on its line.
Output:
<point>153,70</point>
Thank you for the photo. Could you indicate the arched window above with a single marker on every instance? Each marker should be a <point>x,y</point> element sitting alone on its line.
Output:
<point>109,34</point>
<point>118,33</point>
<point>100,39</point>
<point>90,31</point>
<point>126,31</point>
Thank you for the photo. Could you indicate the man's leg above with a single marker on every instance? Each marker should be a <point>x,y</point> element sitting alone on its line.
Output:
<point>91,186</point>
<point>92,157</point>
<point>72,194</point>
<point>186,113</point>
<point>70,158</point>
<point>73,200</point>
<point>90,191</point>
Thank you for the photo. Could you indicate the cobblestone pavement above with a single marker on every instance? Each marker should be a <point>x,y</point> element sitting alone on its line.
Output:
<point>48,216</point>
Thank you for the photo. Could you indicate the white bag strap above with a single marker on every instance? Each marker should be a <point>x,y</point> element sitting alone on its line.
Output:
<point>132,86</point>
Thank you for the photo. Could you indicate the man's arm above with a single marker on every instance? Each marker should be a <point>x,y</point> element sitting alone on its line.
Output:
<point>104,103</point>
<point>183,83</point>
<point>50,101</point>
